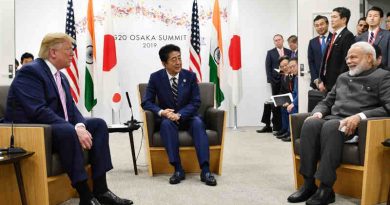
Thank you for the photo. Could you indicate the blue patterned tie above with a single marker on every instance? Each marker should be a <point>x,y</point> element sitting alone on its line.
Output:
<point>323,45</point>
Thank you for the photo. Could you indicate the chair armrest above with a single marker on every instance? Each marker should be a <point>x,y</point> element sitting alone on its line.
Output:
<point>214,120</point>
<point>296,121</point>
<point>362,133</point>
<point>47,137</point>
<point>150,124</point>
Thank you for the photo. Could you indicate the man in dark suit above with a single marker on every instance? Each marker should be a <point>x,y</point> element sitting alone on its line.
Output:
<point>178,97</point>
<point>335,119</point>
<point>293,45</point>
<point>40,94</point>
<point>375,35</point>
<point>317,47</point>
<point>273,77</point>
<point>333,62</point>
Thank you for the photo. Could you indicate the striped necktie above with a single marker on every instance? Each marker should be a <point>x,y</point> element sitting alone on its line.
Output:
<point>174,90</point>
<point>371,39</point>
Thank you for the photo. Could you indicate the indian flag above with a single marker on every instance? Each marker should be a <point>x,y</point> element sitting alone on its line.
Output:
<point>89,94</point>
<point>216,54</point>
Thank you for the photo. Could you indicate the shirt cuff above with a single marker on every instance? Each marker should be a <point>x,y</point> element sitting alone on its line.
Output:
<point>79,125</point>
<point>159,112</point>
<point>362,116</point>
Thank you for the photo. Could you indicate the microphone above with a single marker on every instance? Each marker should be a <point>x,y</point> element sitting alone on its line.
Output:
<point>12,149</point>
<point>133,124</point>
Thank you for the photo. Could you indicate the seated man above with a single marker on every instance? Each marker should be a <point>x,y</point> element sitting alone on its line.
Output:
<point>40,94</point>
<point>358,94</point>
<point>178,98</point>
<point>293,106</point>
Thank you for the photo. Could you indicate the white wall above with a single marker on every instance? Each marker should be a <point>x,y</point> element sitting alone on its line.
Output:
<point>306,8</point>
<point>260,20</point>
<point>7,42</point>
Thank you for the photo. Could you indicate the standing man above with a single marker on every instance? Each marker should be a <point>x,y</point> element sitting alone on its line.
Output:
<point>293,45</point>
<point>361,93</point>
<point>26,58</point>
<point>273,77</point>
<point>40,94</point>
<point>177,93</point>
<point>375,35</point>
<point>317,47</point>
<point>361,26</point>
<point>333,62</point>
<point>272,63</point>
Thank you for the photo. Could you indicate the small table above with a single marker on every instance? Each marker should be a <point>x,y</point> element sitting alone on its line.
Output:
<point>128,129</point>
<point>15,159</point>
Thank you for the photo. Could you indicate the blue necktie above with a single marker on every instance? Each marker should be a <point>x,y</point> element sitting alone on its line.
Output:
<point>323,45</point>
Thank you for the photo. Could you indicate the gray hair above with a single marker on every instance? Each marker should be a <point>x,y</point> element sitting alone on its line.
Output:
<point>366,47</point>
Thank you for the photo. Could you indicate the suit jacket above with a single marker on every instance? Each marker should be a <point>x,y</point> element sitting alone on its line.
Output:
<point>159,87</point>
<point>382,39</point>
<point>33,97</point>
<point>336,63</point>
<point>314,55</point>
<point>368,92</point>
<point>272,62</point>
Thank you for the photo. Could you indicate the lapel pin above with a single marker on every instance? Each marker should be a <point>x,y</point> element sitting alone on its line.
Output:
<point>184,80</point>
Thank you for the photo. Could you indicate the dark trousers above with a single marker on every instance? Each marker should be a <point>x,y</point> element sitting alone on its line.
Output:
<point>67,145</point>
<point>276,116</point>
<point>321,141</point>
<point>169,132</point>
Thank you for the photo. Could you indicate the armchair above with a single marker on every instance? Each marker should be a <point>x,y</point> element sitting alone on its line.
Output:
<point>364,172</point>
<point>214,120</point>
<point>44,178</point>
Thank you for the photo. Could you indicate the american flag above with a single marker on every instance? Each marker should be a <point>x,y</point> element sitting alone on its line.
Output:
<point>72,73</point>
<point>195,43</point>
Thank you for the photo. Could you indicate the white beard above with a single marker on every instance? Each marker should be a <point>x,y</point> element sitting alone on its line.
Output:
<point>358,69</point>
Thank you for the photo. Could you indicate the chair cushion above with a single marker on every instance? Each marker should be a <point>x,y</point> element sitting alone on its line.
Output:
<point>185,139</point>
<point>350,152</point>
<point>56,167</point>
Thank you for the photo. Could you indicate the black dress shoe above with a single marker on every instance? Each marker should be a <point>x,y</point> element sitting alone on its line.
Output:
<point>265,129</point>
<point>93,201</point>
<point>177,177</point>
<point>208,178</point>
<point>280,132</point>
<point>287,139</point>
<point>284,135</point>
<point>302,194</point>
<point>386,142</point>
<point>110,198</point>
<point>323,196</point>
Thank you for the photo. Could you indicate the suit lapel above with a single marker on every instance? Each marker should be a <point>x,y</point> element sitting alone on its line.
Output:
<point>379,37</point>
<point>167,86</point>
<point>180,85</point>
<point>51,77</point>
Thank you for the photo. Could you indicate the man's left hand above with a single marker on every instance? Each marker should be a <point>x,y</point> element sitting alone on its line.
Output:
<point>290,107</point>
<point>350,123</point>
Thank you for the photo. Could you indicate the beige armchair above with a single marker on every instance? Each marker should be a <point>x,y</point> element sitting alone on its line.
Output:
<point>215,128</point>
<point>364,172</point>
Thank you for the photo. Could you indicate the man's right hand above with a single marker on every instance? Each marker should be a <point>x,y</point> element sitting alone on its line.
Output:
<point>167,112</point>
<point>322,87</point>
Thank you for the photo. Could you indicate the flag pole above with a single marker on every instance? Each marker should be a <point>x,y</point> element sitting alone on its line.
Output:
<point>235,118</point>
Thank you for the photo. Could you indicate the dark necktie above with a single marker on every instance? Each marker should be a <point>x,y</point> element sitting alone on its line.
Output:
<point>174,90</point>
<point>371,39</point>
<point>323,45</point>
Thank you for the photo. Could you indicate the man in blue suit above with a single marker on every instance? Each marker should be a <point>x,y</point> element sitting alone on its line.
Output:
<point>178,98</point>
<point>40,94</point>
<point>317,46</point>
